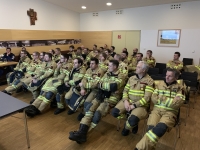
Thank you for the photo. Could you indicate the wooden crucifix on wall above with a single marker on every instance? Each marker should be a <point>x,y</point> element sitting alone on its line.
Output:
<point>33,16</point>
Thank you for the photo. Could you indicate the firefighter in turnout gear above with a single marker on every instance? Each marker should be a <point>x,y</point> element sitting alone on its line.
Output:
<point>57,55</point>
<point>176,63</point>
<point>103,62</point>
<point>108,53</point>
<point>167,97</point>
<point>30,68</point>
<point>87,85</point>
<point>20,68</point>
<point>150,59</point>
<point>72,80</point>
<point>123,68</point>
<point>136,99</point>
<point>132,66</point>
<point>110,91</point>
<point>41,74</point>
<point>49,89</point>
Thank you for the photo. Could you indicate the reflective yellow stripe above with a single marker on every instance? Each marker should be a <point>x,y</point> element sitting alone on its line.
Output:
<point>162,106</point>
<point>152,136</point>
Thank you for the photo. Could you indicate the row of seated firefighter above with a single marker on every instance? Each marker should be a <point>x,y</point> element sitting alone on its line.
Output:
<point>8,69</point>
<point>100,92</point>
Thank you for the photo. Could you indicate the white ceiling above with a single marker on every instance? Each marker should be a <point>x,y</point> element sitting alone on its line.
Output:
<point>100,5</point>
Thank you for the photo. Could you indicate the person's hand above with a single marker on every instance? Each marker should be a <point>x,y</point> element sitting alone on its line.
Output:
<point>83,92</point>
<point>127,105</point>
<point>81,84</point>
<point>66,84</point>
<point>132,107</point>
<point>34,80</point>
<point>58,64</point>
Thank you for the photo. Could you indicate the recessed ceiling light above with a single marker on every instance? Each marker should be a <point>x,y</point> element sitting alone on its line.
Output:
<point>108,4</point>
<point>83,7</point>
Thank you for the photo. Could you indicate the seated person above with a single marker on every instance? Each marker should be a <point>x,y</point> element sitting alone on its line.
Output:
<point>20,77</point>
<point>70,82</point>
<point>150,59</point>
<point>41,74</point>
<point>167,97</point>
<point>49,89</point>
<point>8,56</point>
<point>132,66</point>
<point>88,86</point>
<point>103,62</point>
<point>108,53</point>
<point>109,93</point>
<point>175,63</point>
<point>136,99</point>
<point>20,68</point>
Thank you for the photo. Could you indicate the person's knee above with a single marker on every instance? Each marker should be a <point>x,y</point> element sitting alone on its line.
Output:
<point>133,120</point>
<point>115,112</point>
<point>97,117</point>
<point>160,129</point>
<point>49,95</point>
<point>58,97</point>
<point>88,107</point>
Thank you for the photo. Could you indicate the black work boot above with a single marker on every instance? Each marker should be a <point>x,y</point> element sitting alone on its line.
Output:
<point>80,116</point>
<point>59,110</point>
<point>125,132</point>
<point>32,111</point>
<point>31,102</point>
<point>135,129</point>
<point>81,135</point>
<point>70,112</point>
<point>19,90</point>
<point>4,91</point>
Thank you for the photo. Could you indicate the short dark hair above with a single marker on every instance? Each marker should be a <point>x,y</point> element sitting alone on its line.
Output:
<point>43,53</point>
<point>113,47</point>
<point>49,54</point>
<point>80,61</point>
<point>79,48</point>
<point>94,59</point>
<point>104,55</point>
<point>125,52</point>
<point>8,48</point>
<point>150,51</point>
<point>58,49</point>
<point>175,71</point>
<point>95,45</point>
<point>24,51</point>
<point>108,50</point>
<point>178,54</point>
<point>52,51</point>
<point>71,46</point>
<point>37,53</point>
<point>101,47</point>
<point>114,62</point>
<point>140,54</point>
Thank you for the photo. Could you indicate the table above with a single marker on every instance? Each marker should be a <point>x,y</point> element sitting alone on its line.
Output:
<point>9,63</point>
<point>9,106</point>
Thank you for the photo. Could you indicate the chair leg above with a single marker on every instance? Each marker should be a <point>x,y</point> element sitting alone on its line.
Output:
<point>118,124</point>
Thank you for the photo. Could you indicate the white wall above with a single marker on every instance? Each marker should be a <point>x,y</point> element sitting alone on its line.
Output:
<point>149,20</point>
<point>13,14</point>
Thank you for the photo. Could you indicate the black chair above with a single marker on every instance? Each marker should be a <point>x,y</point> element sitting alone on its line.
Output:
<point>153,71</point>
<point>191,81</point>
<point>161,67</point>
<point>156,77</point>
<point>187,61</point>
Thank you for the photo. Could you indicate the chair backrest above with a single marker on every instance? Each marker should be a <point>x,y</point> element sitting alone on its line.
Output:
<point>187,61</point>
<point>190,78</point>
<point>153,71</point>
<point>155,77</point>
<point>161,66</point>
